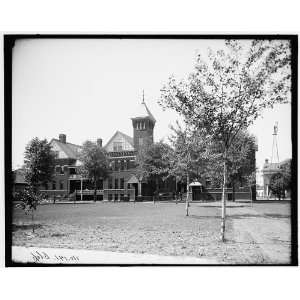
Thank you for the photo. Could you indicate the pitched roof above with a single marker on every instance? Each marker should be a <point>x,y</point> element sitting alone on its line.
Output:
<point>142,111</point>
<point>71,150</point>
<point>128,138</point>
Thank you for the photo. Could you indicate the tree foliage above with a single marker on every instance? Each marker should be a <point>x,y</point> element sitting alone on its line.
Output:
<point>240,161</point>
<point>189,154</point>
<point>277,185</point>
<point>95,163</point>
<point>39,162</point>
<point>153,162</point>
<point>281,181</point>
<point>229,90</point>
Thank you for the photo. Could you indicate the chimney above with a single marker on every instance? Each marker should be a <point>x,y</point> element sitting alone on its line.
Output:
<point>266,161</point>
<point>99,142</point>
<point>62,138</point>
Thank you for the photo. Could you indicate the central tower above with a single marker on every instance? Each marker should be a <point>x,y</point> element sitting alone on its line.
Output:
<point>143,124</point>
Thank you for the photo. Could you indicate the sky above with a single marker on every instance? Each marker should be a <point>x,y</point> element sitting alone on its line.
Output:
<point>89,89</point>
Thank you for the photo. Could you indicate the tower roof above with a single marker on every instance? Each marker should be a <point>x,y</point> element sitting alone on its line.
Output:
<point>142,111</point>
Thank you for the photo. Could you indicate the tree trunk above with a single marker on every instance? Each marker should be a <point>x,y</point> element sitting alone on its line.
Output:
<point>224,199</point>
<point>187,194</point>
<point>156,190</point>
<point>32,219</point>
<point>233,191</point>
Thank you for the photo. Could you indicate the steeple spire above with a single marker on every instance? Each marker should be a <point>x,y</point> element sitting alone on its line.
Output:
<point>143,97</point>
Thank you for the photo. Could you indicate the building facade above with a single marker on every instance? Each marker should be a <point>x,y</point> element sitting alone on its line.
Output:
<point>122,149</point>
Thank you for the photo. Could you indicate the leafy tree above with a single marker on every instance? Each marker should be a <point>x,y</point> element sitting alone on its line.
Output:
<point>29,201</point>
<point>281,181</point>
<point>153,162</point>
<point>240,162</point>
<point>39,168</point>
<point>285,170</point>
<point>39,162</point>
<point>188,157</point>
<point>229,90</point>
<point>277,185</point>
<point>95,164</point>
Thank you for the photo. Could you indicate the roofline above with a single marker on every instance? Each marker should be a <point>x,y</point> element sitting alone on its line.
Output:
<point>57,140</point>
<point>114,136</point>
<point>147,117</point>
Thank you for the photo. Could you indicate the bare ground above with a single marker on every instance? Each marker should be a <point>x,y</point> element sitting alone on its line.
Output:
<point>255,235</point>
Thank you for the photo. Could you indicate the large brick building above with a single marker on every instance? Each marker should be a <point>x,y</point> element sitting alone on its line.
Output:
<point>121,148</point>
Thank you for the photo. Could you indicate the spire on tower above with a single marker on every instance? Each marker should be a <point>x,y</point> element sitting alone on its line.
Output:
<point>143,97</point>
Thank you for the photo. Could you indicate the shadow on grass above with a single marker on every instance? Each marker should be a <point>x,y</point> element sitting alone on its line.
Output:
<point>16,227</point>
<point>272,216</point>
<point>203,217</point>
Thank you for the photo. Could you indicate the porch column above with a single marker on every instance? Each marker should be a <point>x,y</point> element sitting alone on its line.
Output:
<point>139,189</point>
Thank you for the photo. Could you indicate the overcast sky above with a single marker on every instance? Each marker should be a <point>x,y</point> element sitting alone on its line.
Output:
<point>90,88</point>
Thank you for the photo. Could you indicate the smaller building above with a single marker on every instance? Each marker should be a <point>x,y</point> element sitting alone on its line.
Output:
<point>19,183</point>
<point>268,170</point>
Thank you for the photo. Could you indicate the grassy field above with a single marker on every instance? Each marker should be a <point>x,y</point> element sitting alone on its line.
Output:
<point>258,234</point>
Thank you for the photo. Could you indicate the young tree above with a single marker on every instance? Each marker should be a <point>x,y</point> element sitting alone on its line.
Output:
<point>39,168</point>
<point>188,155</point>
<point>230,89</point>
<point>153,162</point>
<point>95,164</point>
<point>39,162</point>
<point>240,161</point>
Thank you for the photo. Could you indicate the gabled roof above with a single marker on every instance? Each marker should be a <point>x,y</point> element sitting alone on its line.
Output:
<point>71,150</point>
<point>128,138</point>
<point>142,111</point>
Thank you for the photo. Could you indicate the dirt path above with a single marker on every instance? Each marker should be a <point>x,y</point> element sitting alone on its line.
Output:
<point>270,235</point>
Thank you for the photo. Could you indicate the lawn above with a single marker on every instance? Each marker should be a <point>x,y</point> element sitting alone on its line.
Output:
<point>257,234</point>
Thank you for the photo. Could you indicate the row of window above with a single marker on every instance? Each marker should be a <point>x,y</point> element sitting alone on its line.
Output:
<point>121,165</point>
<point>53,186</point>
<point>116,196</point>
<point>117,183</point>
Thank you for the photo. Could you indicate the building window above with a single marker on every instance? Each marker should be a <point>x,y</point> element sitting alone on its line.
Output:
<point>116,197</point>
<point>122,165</point>
<point>128,185</point>
<point>116,183</point>
<point>72,171</point>
<point>110,185</point>
<point>208,183</point>
<point>121,183</point>
<point>109,196</point>
<point>117,146</point>
<point>61,185</point>
<point>53,185</point>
